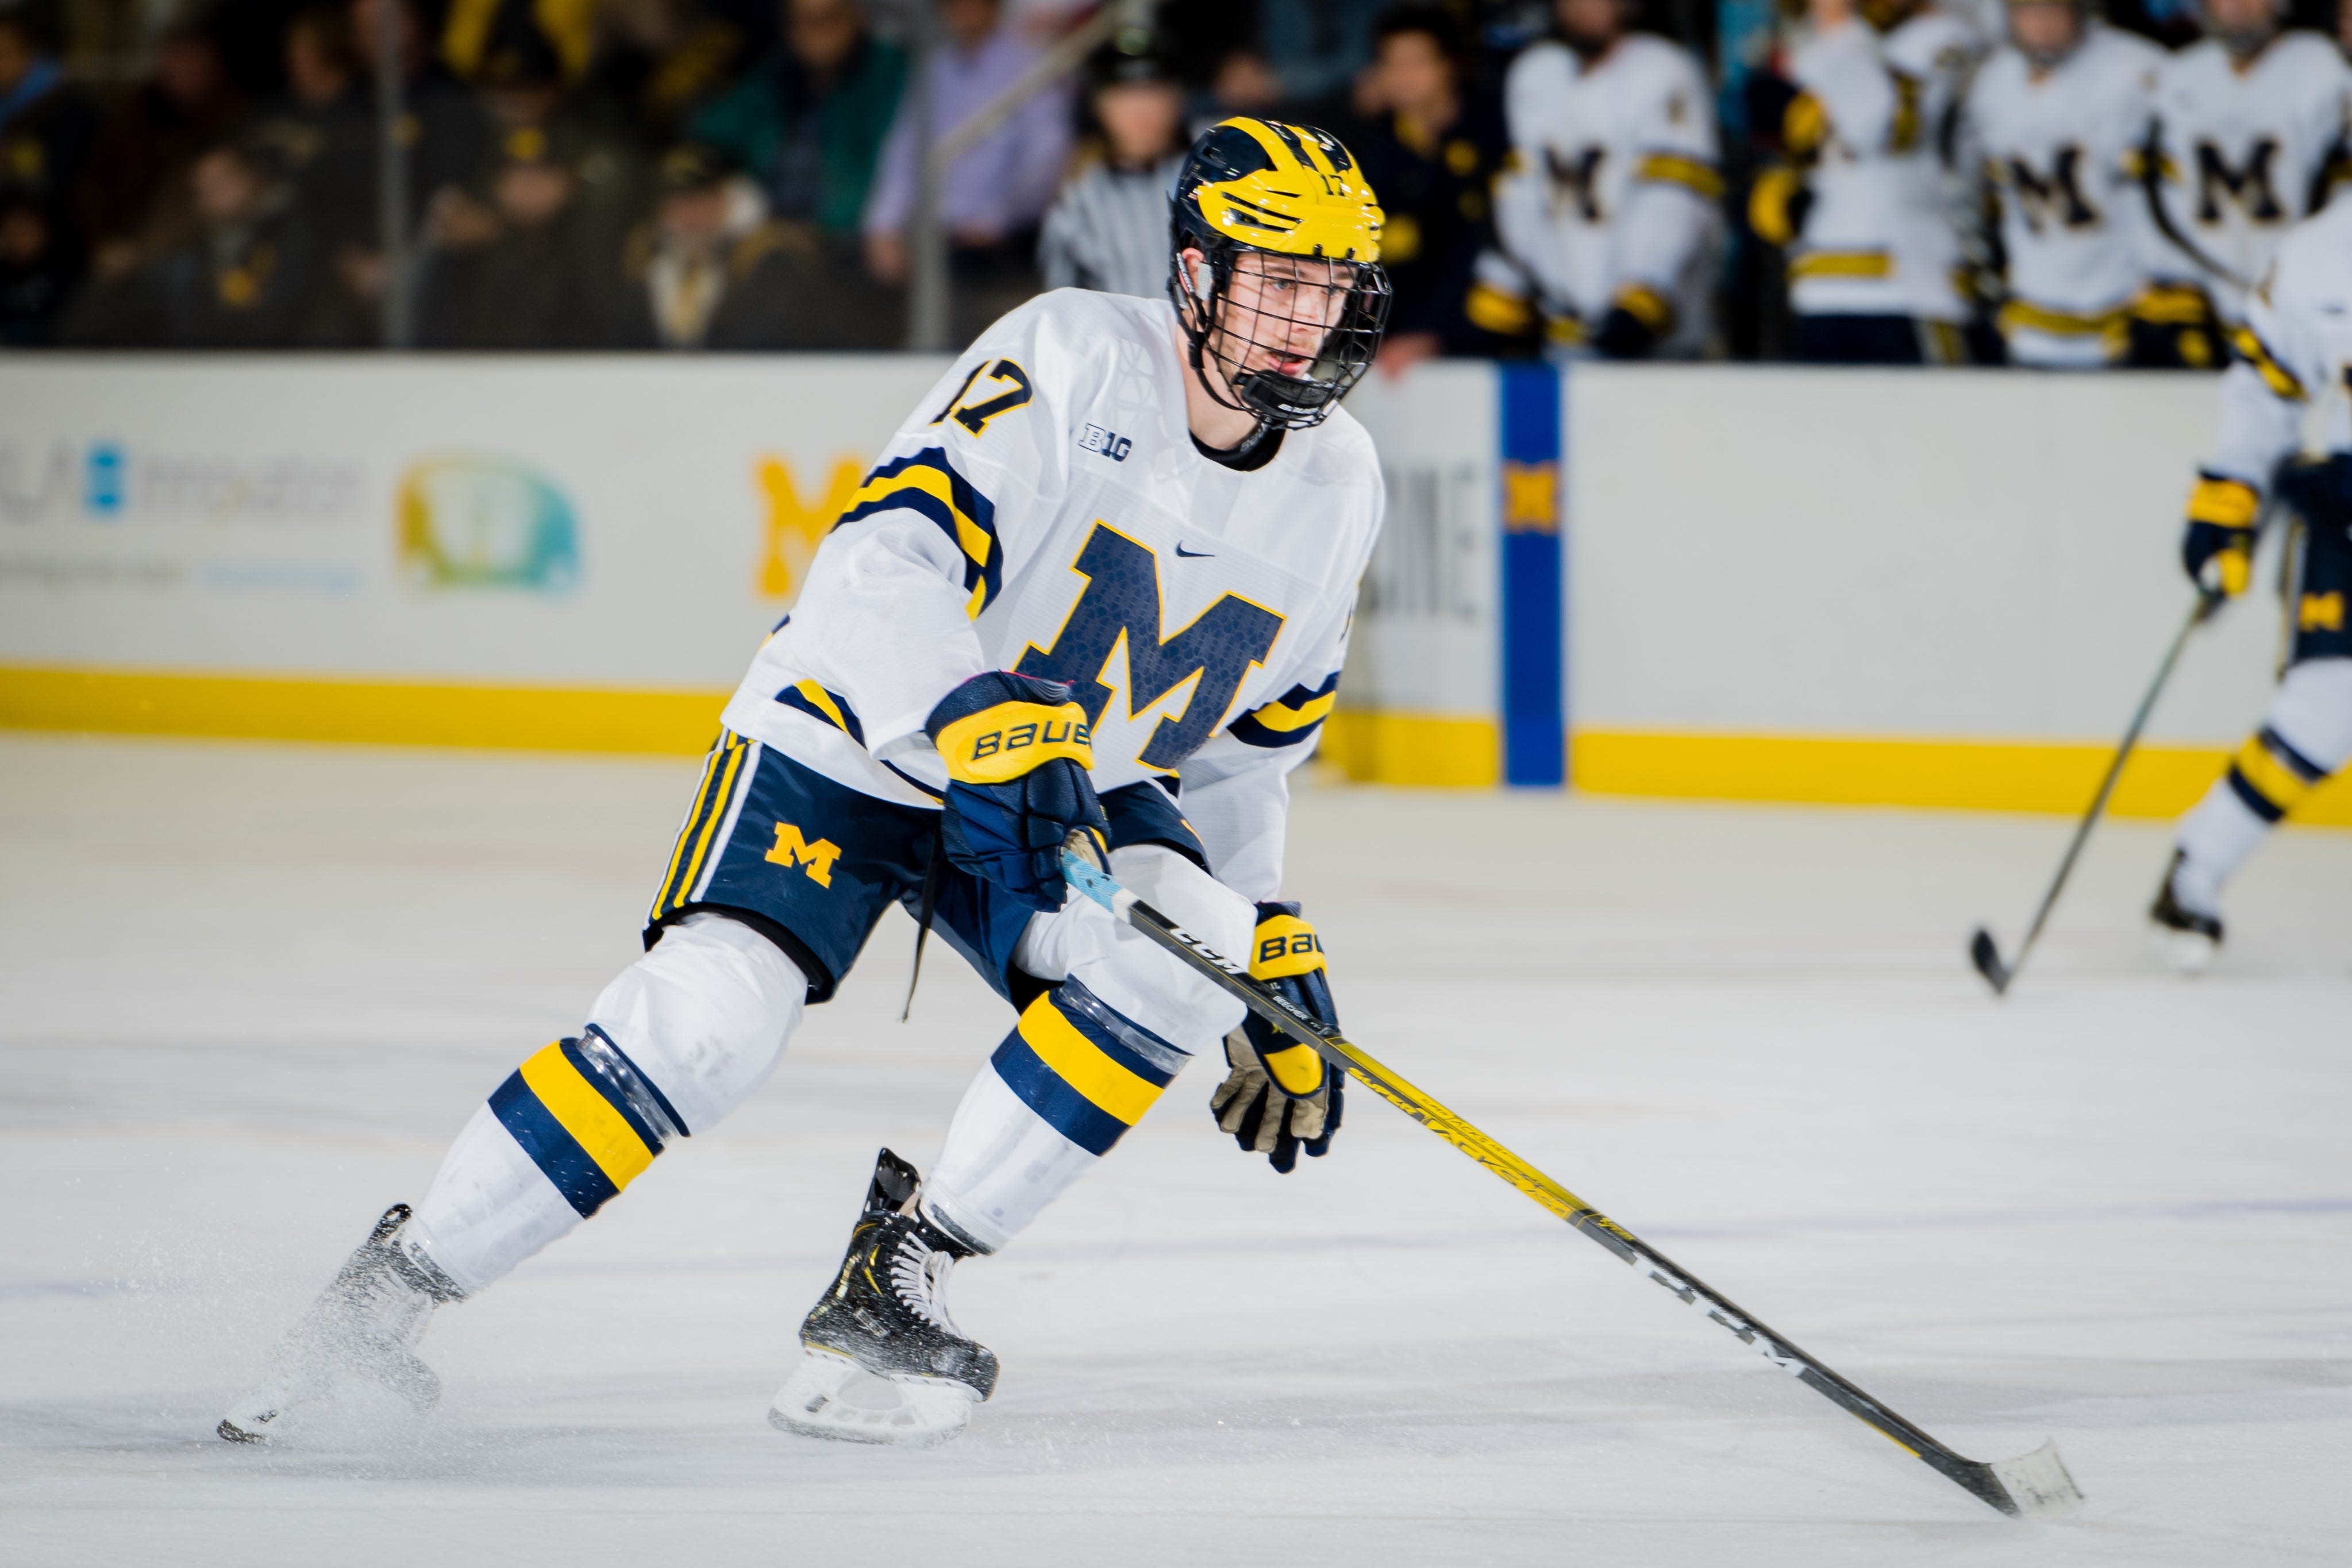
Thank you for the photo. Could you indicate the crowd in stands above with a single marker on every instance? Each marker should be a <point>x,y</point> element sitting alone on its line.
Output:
<point>740,173</point>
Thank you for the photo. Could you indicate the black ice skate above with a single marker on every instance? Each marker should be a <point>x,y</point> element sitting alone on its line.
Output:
<point>2187,938</point>
<point>364,1324</point>
<point>881,1360</point>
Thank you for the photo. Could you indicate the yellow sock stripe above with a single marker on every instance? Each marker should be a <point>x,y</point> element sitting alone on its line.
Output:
<point>1081,1064</point>
<point>693,873</point>
<point>701,798</point>
<point>2017,315</point>
<point>2272,780</point>
<point>587,1115</point>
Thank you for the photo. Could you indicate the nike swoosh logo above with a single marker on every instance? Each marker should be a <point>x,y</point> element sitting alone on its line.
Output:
<point>1195,554</point>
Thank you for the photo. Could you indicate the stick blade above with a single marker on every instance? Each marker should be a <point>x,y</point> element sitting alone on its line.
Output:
<point>1987,960</point>
<point>2038,1484</point>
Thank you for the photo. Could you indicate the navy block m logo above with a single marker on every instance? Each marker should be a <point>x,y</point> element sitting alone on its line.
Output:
<point>1121,602</point>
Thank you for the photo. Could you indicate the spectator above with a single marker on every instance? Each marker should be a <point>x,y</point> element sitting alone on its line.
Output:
<point>994,195</point>
<point>36,272</point>
<point>710,271</point>
<point>445,133</point>
<point>322,132</point>
<point>45,130</point>
<point>514,272</point>
<point>249,276</point>
<point>808,122</point>
<point>135,192</point>
<point>1431,155</point>
<point>1307,60</point>
<point>1108,228</point>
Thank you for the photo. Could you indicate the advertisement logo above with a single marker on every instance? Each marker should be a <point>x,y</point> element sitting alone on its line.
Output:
<point>486,522</point>
<point>794,529</point>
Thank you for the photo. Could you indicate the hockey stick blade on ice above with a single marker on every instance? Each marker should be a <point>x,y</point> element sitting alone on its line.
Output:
<point>2035,1485</point>
<point>1983,951</point>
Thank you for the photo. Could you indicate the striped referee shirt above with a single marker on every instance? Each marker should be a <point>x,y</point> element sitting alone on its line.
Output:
<point>1108,230</point>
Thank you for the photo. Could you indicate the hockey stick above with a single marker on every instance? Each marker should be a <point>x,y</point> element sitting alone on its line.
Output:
<point>1982,951</point>
<point>2034,1486</point>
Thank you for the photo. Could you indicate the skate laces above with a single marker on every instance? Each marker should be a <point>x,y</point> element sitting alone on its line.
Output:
<point>918,1275</point>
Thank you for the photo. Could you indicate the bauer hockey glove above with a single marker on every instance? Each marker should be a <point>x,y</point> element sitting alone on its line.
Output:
<point>2217,548</point>
<point>1017,750</point>
<point>1281,1095</point>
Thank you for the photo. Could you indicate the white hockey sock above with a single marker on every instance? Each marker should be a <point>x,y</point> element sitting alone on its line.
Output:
<point>2306,737</point>
<point>681,1037</point>
<point>1059,1093</point>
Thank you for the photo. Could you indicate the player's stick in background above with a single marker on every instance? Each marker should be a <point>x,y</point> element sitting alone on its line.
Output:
<point>1982,951</point>
<point>2035,1485</point>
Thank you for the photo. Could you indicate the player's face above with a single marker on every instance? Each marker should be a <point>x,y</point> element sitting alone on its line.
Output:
<point>1279,309</point>
<point>2044,29</point>
<point>2239,18</point>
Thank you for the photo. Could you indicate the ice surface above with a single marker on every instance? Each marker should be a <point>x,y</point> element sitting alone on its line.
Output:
<point>249,992</point>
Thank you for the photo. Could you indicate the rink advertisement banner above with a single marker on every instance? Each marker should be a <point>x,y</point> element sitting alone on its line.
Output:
<point>572,553</point>
<point>1882,586</point>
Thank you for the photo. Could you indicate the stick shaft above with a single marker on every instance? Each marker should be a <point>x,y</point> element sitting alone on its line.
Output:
<point>1628,1247</point>
<point>2197,614</point>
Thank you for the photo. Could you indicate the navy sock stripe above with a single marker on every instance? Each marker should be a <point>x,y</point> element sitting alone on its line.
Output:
<point>2260,804</point>
<point>1044,1091</point>
<point>2302,767</point>
<point>556,1152</point>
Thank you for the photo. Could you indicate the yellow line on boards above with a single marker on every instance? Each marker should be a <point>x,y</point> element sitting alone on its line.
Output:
<point>358,709</point>
<point>2055,777</point>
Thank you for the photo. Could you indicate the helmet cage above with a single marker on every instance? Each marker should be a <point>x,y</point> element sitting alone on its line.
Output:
<point>1221,344</point>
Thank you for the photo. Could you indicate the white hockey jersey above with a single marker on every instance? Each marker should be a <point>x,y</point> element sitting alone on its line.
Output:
<point>2062,156</point>
<point>2244,152</point>
<point>1879,239</point>
<point>2294,351</point>
<point>1045,510</point>
<point>1613,184</point>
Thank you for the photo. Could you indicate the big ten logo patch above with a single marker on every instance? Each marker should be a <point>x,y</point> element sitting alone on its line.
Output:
<point>793,528</point>
<point>794,849</point>
<point>1109,442</point>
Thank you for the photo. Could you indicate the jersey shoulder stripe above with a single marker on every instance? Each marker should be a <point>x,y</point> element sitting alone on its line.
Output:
<point>927,482</point>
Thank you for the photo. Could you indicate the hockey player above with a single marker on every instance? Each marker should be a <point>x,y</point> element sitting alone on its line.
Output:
<point>2292,350</point>
<point>1607,215</point>
<point>1860,204</point>
<point>2055,128</point>
<point>2251,135</point>
<point>948,704</point>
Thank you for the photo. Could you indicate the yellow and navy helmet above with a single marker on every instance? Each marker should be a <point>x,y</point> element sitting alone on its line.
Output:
<point>1280,190</point>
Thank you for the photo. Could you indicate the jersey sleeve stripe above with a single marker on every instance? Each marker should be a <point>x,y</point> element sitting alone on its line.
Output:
<point>1290,718</point>
<point>831,706</point>
<point>927,484</point>
<point>2275,376</point>
<point>1678,169</point>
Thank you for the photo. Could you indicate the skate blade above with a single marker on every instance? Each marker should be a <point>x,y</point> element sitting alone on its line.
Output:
<point>2184,952</point>
<point>832,1396</point>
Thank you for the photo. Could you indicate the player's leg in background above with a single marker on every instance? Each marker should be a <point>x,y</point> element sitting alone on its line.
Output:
<point>2306,736</point>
